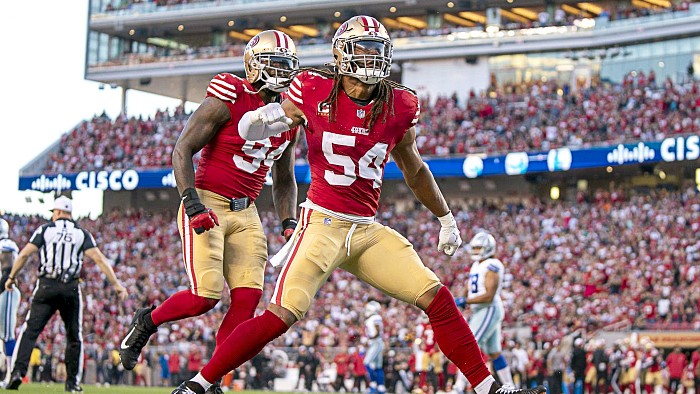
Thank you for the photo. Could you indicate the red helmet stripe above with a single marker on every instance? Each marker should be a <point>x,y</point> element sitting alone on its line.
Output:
<point>365,23</point>
<point>286,40</point>
<point>277,37</point>
<point>375,23</point>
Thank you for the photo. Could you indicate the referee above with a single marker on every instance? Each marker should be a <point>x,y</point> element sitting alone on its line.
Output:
<point>61,245</point>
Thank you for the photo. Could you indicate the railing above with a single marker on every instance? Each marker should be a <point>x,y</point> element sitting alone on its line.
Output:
<point>152,7</point>
<point>620,326</point>
<point>456,36</point>
<point>603,23</point>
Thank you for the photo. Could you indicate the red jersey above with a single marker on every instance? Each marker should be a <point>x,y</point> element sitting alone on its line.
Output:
<point>347,159</point>
<point>231,166</point>
<point>427,335</point>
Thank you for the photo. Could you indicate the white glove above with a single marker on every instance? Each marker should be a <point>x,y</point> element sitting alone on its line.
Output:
<point>269,114</point>
<point>449,239</point>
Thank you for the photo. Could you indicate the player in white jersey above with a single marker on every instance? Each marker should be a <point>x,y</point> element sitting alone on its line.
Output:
<point>9,299</point>
<point>484,295</point>
<point>374,362</point>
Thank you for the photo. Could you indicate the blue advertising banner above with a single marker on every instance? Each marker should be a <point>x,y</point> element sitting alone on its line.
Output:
<point>672,149</point>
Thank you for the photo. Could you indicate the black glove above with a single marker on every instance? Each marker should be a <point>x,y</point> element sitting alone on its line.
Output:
<point>288,226</point>
<point>201,218</point>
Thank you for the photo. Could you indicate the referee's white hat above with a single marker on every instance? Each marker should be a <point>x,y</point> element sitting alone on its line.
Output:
<point>63,203</point>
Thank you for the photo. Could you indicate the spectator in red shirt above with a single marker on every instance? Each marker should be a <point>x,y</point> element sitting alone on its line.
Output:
<point>695,361</point>
<point>342,362</point>
<point>649,309</point>
<point>194,363</point>
<point>174,365</point>
<point>676,362</point>
<point>358,370</point>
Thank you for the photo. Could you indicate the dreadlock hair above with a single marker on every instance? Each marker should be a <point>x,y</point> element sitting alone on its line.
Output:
<point>383,96</point>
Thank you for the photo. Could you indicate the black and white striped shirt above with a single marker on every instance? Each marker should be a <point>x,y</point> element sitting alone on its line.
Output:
<point>61,247</point>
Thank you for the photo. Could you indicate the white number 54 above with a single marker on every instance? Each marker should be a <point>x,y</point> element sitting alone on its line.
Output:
<point>375,155</point>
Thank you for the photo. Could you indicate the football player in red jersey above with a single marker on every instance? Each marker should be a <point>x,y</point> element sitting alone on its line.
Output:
<point>354,118</point>
<point>222,236</point>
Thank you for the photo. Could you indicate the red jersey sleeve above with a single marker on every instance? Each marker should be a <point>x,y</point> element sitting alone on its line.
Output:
<point>295,90</point>
<point>224,86</point>
<point>407,107</point>
<point>417,114</point>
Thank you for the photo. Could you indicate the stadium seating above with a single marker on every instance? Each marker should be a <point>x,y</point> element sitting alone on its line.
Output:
<point>536,116</point>
<point>582,264</point>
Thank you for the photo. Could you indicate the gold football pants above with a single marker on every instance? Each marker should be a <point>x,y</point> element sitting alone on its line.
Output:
<point>235,251</point>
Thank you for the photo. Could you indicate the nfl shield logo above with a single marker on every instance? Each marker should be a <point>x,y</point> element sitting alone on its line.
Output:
<point>361,113</point>
<point>327,221</point>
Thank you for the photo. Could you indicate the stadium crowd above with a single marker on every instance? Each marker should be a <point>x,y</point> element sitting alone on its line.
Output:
<point>572,267</point>
<point>534,116</point>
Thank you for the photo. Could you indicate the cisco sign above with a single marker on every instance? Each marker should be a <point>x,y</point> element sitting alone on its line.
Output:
<point>680,148</point>
<point>105,180</point>
<point>102,180</point>
<point>473,166</point>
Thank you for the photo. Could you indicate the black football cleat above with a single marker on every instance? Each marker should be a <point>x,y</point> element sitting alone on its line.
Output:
<point>215,389</point>
<point>136,338</point>
<point>73,388</point>
<point>189,387</point>
<point>507,389</point>
<point>15,382</point>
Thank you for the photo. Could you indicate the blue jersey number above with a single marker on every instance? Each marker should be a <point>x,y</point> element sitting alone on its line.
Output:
<point>474,281</point>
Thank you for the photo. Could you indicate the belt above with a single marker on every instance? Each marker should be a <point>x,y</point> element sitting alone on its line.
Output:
<point>239,204</point>
<point>66,279</point>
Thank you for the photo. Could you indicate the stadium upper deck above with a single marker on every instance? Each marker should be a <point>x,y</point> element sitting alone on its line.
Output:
<point>173,49</point>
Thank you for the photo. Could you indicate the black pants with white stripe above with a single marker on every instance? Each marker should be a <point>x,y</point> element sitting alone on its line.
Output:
<point>50,296</point>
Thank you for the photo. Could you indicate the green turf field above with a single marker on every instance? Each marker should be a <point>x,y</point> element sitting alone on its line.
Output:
<point>35,388</point>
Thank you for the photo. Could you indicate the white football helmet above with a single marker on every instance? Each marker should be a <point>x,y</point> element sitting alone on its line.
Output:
<point>482,246</point>
<point>271,57</point>
<point>4,229</point>
<point>372,308</point>
<point>362,49</point>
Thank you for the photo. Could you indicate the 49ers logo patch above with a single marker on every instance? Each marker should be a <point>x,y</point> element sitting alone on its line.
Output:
<point>342,29</point>
<point>324,109</point>
<point>254,41</point>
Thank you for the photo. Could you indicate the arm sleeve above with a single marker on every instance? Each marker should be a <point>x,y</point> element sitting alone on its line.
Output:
<point>251,132</point>
<point>89,241</point>
<point>38,237</point>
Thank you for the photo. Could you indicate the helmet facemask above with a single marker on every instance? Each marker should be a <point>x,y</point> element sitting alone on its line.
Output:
<point>271,57</point>
<point>476,253</point>
<point>276,71</point>
<point>365,58</point>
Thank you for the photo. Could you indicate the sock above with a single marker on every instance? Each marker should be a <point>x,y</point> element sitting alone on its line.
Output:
<point>181,305</point>
<point>379,375</point>
<point>455,339</point>
<point>10,347</point>
<point>243,303</point>
<point>199,379</point>
<point>503,370</point>
<point>247,340</point>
